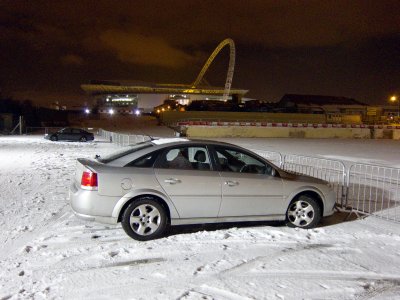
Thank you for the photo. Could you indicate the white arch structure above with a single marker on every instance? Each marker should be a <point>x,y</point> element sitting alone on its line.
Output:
<point>231,67</point>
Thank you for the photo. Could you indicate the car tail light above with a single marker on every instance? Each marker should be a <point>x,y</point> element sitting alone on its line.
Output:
<point>89,180</point>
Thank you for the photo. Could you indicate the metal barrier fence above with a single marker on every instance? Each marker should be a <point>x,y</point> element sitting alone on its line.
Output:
<point>361,188</point>
<point>332,171</point>
<point>374,190</point>
<point>41,130</point>
<point>122,139</point>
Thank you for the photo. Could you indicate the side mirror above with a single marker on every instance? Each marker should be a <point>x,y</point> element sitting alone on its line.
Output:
<point>269,170</point>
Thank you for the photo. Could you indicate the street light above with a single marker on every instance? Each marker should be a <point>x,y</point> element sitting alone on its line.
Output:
<point>394,99</point>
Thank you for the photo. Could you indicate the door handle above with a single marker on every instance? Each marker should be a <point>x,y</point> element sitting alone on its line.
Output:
<point>231,183</point>
<point>172,180</point>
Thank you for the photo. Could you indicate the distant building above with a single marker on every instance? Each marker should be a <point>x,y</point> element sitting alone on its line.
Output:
<point>6,122</point>
<point>335,108</point>
<point>126,97</point>
<point>56,106</point>
<point>322,104</point>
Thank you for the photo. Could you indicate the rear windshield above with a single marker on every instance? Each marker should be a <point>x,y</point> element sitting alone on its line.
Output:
<point>122,152</point>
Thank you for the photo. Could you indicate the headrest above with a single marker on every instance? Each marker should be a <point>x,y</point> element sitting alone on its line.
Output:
<point>200,156</point>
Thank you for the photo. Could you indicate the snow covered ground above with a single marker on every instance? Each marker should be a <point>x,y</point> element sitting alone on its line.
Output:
<point>46,252</point>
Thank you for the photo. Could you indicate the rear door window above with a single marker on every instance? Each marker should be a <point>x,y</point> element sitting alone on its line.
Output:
<point>185,158</point>
<point>145,161</point>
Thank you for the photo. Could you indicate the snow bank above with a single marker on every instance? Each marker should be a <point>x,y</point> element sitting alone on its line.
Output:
<point>46,252</point>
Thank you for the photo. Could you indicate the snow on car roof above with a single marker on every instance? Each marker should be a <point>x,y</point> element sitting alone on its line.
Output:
<point>169,140</point>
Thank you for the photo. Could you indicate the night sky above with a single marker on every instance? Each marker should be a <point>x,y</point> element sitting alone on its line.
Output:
<point>338,48</point>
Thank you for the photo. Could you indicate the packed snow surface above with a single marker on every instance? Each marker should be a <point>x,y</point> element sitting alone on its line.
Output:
<point>46,252</point>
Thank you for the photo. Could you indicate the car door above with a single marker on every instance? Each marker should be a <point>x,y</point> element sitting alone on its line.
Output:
<point>187,177</point>
<point>249,185</point>
<point>76,134</point>
<point>64,134</point>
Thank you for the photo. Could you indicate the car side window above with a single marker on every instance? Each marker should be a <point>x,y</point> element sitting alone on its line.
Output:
<point>145,161</point>
<point>185,158</point>
<point>76,131</point>
<point>231,160</point>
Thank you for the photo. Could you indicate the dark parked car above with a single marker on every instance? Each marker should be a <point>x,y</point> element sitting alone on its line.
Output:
<point>70,134</point>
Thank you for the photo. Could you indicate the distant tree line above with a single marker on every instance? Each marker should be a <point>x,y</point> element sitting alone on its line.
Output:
<point>34,116</point>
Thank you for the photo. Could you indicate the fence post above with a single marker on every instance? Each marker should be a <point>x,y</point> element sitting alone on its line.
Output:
<point>345,188</point>
<point>20,125</point>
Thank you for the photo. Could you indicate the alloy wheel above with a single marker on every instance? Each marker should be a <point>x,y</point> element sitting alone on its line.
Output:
<point>301,213</point>
<point>145,219</point>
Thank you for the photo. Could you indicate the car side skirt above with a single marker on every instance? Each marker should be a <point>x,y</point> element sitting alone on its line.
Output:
<point>227,219</point>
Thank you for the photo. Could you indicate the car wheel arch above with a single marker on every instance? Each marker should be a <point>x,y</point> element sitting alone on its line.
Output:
<point>161,201</point>
<point>311,193</point>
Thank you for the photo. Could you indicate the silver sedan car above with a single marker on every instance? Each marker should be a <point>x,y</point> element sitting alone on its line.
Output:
<point>152,185</point>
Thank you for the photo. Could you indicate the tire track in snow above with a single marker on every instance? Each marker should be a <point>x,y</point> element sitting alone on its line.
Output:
<point>325,275</point>
<point>205,291</point>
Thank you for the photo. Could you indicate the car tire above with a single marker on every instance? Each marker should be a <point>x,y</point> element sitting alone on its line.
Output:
<point>83,139</point>
<point>144,219</point>
<point>303,212</point>
<point>54,138</point>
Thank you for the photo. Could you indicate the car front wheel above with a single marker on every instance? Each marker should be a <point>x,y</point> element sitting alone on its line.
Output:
<point>303,212</point>
<point>144,219</point>
<point>83,139</point>
<point>54,138</point>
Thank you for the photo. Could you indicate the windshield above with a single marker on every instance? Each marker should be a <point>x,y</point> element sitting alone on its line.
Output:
<point>122,152</point>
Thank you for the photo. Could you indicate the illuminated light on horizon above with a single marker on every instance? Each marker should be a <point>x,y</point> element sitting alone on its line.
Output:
<point>137,112</point>
<point>122,99</point>
<point>87,111</point>
<point>111,111</point>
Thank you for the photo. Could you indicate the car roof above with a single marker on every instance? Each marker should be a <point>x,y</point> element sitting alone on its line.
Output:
<point>72,128</point>
<point>167,142</point>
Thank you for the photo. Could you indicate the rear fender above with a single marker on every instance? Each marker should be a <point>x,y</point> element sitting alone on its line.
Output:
<point>136,193</point>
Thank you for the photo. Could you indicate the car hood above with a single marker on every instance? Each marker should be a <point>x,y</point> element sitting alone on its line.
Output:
<point>300,177</point>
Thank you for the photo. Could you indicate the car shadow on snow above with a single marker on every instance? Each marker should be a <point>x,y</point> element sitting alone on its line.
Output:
<point>182,229</point>
<point>336,218</point>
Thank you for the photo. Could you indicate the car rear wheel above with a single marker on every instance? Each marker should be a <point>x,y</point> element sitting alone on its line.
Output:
<point>144,219</point>
<point>83,139</point>
<point>303,212</point>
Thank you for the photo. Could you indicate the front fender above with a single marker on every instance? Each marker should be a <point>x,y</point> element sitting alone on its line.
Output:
<point>307,188</point>
<point>133,194</point>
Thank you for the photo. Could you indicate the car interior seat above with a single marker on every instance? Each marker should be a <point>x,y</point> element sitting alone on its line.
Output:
<point>200,158</point>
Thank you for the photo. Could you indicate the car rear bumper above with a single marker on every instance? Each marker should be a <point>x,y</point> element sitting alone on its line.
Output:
<point>100,219</point>
<point>90,206</point>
